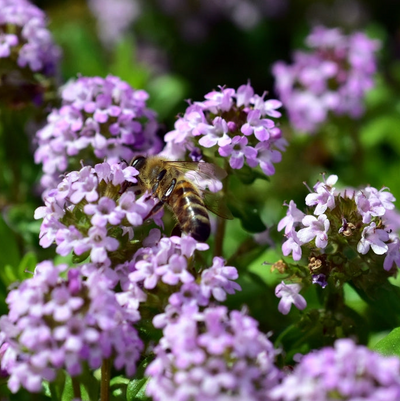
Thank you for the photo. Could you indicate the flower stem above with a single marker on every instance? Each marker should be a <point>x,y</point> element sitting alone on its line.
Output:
<point>219,236</point>
<point>105,380</point>
<point>76,388</point>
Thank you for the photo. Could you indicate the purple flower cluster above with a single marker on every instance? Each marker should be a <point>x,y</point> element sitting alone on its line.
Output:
<point>212,355</point>
<point>83,212</point>
<point>113,18</point>
<point>166,260</point>
<point>236,123</point>
<point>55,323</point>
<point>194,19</point>
<point>333,77</point>
<point>344,372</point>
<point>360,219</point>
<point>100,118</point>
<point>24,38</point>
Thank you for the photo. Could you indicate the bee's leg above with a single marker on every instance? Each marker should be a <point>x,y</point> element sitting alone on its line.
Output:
<point>158,180</point>
<point>155,209</point>
<point>176,231</point>
<point>124,186</point>
<point>168,192</point>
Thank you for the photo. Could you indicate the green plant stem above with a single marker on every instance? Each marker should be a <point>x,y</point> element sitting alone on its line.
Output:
<point>105,380</point>
<point>219,236</point>
<point>76,388</point>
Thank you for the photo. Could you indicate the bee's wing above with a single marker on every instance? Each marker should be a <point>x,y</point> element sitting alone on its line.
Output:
<point>207,171</point>
<point>215,203</point>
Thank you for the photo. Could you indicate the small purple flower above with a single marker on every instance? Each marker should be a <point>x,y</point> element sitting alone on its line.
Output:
<point>324,196</point>
<point>237,150</point>
<point>260,128</point>
<point>175,271</point>
<point>215,134</point>
<point>67,239</point>
<point>289,294</point>
<point>6,42</point>
<point>393,254</point>
<point>293,216</point>
<point>218,280</point>
<point>85,187</point>
<point>319,279</point>
<point>292,245</point>
<point>265,156</point>
<point>98,243</point>
<point>315,228</point>
<point>371,202</point>
<point>375,238</point>
<point>218,101</point>
<point>104,212</point>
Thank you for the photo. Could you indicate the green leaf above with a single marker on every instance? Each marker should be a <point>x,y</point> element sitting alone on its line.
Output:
<point>26,266</point>
<point>383,304</point>
<point>136,390</point>
<point>381,129</point>
<point>80,49</point>
<point>248,175</point>
<point>390,345</point>
<point>9,254</point>
<point>89,385</point>
<point>56,388</point>
<point>166,92</point>
<point>118,386</point>
<point>68,392</point>
<point>125,66</point>
<point>8,275</point>
<point>248,215</point>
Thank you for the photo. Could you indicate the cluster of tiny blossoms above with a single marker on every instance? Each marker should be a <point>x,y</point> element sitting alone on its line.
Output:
<point>100,118</point>
<point>86,213</point>
<point>194,19</point>
<point>211,355</point>
<point>333,77</point>
<point>28,55</point>
<point>347,222</point>
<point>206,352</point>
<point>114,18</point>
<point>56,323</point>
<point>235,123</point>
<point>24,38</point>
<point>344,372</point>
<point>167,261</point>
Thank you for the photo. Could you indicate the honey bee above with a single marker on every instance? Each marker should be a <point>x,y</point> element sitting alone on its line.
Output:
<point>166,181</point>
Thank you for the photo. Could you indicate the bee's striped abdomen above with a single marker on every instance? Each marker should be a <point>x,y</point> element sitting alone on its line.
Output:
<point>190,211</point>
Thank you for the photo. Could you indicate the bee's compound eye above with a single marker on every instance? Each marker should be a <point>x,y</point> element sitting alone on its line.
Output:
<point>138,163</point>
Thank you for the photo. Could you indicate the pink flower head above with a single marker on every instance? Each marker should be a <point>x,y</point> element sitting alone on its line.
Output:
<point>289,294</point>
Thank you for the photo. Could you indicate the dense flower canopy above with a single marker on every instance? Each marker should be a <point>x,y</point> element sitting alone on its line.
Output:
<point>147,128</point>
